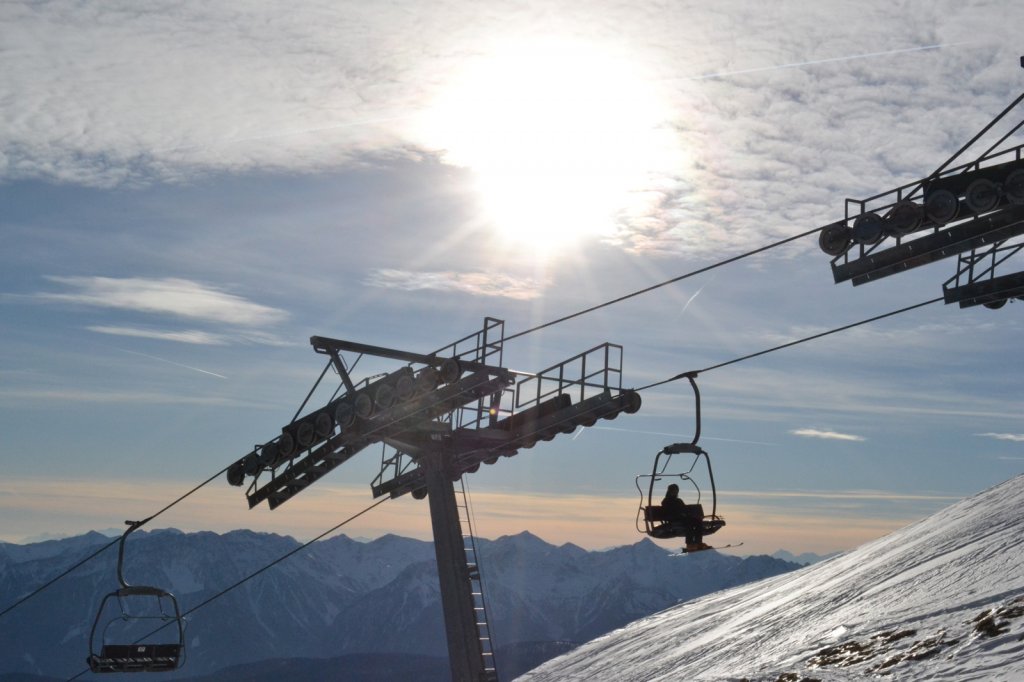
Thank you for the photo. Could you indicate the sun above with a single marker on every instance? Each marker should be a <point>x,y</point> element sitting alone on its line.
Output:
<point>562,139</point>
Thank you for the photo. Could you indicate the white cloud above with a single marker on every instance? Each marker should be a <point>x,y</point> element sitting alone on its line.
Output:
<point>186,336</point>
<point>827,435</point>
<point>195,336</point>
<point>168,296</point>
<point>802,109</point>
<point>1014,437</point>
<point>475,283</point>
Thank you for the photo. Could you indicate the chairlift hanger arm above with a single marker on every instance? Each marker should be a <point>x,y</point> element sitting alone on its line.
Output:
<point>691,447</point>
<point>132,525</point>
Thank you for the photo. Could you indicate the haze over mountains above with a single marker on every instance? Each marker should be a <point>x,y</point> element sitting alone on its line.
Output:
<point>343,609</point>
<point>942,599</point>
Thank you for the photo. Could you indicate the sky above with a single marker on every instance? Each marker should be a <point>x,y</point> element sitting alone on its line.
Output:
<point>189,192</point>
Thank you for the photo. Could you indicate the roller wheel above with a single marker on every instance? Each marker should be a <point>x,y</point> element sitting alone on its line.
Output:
<point>405,388</point>
<point>1014,187</point>
<point>941,206</point>
<point>344,414</point>
<point>363,406</point>
<point>982,196</point>
<point>834,239</point>
<point>451,370</point>
<point>427,380</point>
<point>904,218</point>
<point>868,228</point>
<point>285,446</point>
<point>323,424</point>
<point>384,396</point>
<point>305,434</point>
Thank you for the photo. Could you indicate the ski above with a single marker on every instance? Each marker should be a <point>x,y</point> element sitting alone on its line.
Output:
<point>683,552</point>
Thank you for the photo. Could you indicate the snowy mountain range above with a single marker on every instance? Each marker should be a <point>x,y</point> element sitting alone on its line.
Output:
<point>342,609</point>
<point>942,599</point>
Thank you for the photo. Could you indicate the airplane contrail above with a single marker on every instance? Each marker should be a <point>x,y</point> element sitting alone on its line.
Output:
<point>815,62</point>
<point>171,362</point>
<point>690,300</point>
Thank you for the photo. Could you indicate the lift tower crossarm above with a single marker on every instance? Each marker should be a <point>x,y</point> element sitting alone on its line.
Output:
<point>324,345</point>
<point>974,211</point>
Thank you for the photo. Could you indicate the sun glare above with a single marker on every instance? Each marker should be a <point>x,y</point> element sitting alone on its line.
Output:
<point>562,139</point>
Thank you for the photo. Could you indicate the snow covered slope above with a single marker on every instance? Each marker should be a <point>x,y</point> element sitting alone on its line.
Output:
<point>942,599</point>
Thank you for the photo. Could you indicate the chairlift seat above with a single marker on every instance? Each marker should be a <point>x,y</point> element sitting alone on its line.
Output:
<point>138,657</point>
<point>133,658</point>
<point>664,525</point>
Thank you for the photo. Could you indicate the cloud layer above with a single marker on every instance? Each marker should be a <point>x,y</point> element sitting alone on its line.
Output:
<point>765,117</point>
<point>167,296</point>
<point>474,283</point>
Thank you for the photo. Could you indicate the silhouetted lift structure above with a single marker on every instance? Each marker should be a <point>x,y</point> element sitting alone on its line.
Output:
<point>974,211</point>
<point>439,416</point>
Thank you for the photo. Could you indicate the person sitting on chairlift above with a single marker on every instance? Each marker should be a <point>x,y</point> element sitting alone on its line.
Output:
<point>689,516</point>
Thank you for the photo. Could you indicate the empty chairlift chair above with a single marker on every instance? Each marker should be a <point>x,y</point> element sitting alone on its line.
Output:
<point>137,628</point>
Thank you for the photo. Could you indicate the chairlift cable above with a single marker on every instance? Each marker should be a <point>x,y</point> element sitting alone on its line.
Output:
<point>286,555</point>
<point>47,584</point>
<point>257,572</point>
<point>691,373</point>
<point>106,546</point>
<point>678,278</point>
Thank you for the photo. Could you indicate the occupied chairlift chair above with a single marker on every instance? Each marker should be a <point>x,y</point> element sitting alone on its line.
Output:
<point>138,655</point>
<point>656,522</point>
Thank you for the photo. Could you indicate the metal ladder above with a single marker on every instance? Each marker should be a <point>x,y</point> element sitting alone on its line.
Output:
<point>490,672</point>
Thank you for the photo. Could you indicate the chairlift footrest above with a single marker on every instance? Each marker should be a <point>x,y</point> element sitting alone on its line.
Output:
<point>126,658</point>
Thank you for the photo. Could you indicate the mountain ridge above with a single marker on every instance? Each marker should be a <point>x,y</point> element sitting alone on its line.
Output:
<point>341,597</point>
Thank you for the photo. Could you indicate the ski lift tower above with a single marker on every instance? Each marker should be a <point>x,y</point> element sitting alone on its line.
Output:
<point>974,211</point>
<point>438,417</point>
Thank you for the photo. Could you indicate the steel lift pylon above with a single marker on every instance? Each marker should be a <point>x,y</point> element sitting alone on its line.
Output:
<point>438,417</point>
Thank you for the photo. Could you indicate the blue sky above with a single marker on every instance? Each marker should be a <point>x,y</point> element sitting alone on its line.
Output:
<point>188,193</point>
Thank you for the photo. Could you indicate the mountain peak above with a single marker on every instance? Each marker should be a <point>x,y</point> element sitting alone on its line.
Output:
<point>523,540</point>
